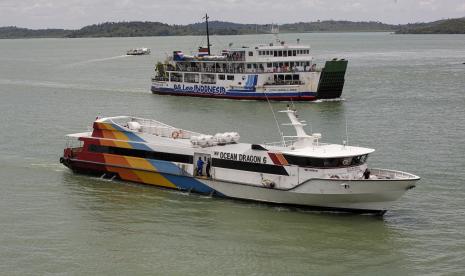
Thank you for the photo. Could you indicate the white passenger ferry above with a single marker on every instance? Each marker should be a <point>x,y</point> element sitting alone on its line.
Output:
<point>299,171</point>
<point>274,71</point>
<point>138,52</point>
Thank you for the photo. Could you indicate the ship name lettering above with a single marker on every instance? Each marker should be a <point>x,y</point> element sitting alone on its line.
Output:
<point>242,157</point>
<point>200,88</point>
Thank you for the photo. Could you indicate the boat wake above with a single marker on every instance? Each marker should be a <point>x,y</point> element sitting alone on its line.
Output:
<point>51,84</point>
<point>57,167</point>
<point>329,100</point>
<point>97,60</point>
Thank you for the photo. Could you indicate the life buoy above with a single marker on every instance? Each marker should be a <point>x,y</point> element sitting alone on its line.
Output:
<point>175,134</point>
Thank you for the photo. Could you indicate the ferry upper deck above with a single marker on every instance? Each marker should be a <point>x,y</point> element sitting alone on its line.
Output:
<point>156,133</point>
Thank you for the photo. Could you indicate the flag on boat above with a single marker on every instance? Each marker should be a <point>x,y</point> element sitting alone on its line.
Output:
<point>203,51</point>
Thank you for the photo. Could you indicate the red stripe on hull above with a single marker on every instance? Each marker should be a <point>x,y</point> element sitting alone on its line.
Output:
<point>87,168</point>
<point>274,158</point>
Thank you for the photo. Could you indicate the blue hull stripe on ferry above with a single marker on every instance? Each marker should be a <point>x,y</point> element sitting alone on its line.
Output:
<point>190,183</point>
<point>140,146</point>
<point>235,93</point>
<point>165,166</point>
<point>132,137</point>
<point>174,174</point>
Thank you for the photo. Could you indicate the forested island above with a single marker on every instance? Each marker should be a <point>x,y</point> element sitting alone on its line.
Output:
<point>140,28</point>
<point>15,32</point>
<point>449,26</point>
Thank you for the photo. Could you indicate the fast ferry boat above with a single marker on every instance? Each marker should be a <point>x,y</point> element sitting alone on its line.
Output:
<point>299,170</point>
<point>274,71</point>
<point>138,52</point>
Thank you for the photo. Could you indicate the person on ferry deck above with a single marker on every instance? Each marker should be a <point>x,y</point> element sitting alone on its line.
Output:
<point>366,174</point>
<point>199,166</point>
<point>207,167</point>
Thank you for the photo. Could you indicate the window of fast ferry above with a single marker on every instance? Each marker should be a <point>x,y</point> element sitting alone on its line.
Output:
<point>303,161</point>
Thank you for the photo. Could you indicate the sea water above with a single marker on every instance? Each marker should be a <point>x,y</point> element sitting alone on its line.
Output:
<point>404,96</point>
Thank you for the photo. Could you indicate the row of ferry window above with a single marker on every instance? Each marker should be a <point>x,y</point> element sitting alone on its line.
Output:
<point>195,78</point>
<point>278,64</point>
<point>283,53</point>
<point>211,78</point>
<point>165,156</point>
<point>302,161</point>
<point>188,159</point>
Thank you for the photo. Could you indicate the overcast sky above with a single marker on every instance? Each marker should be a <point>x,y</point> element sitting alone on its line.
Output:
<point>78,13</point>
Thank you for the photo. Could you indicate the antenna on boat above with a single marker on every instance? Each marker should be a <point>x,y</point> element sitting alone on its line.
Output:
<point>275,32</point>
<point>276,120</point>
<point>208,34</point>
<point>347,133</point>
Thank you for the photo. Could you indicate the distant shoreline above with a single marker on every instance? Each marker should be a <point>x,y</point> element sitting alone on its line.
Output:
<point>149,29</point>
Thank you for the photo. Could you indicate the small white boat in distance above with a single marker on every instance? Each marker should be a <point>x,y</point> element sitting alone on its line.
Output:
<point>138,51</point>
<point>299,171</point>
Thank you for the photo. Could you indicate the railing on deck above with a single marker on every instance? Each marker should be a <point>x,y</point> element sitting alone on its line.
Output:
<point>237,70</point>
<point>391,174</point>
<point>281,144</point>
<point>154,127</point>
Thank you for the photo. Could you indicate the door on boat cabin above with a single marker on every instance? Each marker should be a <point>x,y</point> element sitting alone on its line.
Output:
<point>202,165</point>
<point>293,178</point>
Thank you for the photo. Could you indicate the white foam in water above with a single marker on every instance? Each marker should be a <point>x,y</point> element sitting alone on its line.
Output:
<point>98,60</point>
<point>329,100</point>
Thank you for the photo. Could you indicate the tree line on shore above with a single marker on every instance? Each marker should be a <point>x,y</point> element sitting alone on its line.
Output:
<point>139,28</point>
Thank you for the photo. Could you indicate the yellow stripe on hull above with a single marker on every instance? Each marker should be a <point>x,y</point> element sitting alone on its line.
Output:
<point>154,178</point>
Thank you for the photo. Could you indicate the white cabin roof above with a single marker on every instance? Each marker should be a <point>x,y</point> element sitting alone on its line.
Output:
<point>329,151</point>
<point>271,47</point>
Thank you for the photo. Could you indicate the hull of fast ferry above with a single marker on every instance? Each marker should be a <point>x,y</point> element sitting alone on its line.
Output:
<point>362,196</point>
<point>357,196</point>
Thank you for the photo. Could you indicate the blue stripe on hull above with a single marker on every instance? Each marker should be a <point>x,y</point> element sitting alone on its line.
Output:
<point>184,182</point>
<point>190,184</point>
<point>234,93</point>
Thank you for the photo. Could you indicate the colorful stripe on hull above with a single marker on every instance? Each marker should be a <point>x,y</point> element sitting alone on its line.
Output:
<point>165,180</point>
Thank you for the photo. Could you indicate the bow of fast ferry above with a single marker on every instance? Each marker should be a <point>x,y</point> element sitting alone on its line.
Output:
<point>301,171</point>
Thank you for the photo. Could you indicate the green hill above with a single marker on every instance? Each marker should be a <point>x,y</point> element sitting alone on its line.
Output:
<point>336,26</point>
<point>15,32</point>
<point>448,26</point>
<point>221,28</point>
<point>140,28</point>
